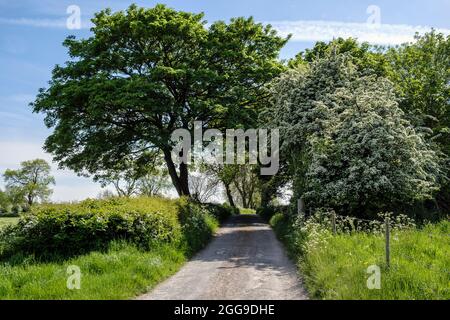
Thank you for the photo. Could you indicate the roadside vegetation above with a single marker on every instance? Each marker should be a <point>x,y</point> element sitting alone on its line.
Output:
<point>334,266</point>
<point>364,136</point>
<point>122,247</point>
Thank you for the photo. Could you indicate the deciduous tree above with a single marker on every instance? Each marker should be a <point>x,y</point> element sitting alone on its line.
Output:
<point>146,72</point>
<point>31,182</point>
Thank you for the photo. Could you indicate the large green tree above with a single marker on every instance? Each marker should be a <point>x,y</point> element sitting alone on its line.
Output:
<point>421,74</point>
<point>31,182</point>
<point>146,72</point>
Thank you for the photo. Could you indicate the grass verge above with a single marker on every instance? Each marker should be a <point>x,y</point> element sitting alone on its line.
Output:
<point>122,272</point>
<point>335,266</point>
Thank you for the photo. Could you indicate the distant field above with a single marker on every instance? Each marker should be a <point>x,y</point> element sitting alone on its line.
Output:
<point>246,211</point>
<point>8,221</point>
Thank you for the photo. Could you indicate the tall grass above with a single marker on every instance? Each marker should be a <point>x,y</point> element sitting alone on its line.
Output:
<point>119,273</point>
<point>335,266</point>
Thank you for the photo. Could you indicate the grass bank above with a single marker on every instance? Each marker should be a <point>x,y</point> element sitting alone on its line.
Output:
<point>121,272</point>
<point>122,247</point>
<point>336,266</point>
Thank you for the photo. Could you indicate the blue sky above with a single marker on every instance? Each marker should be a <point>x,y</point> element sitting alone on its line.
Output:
<point>31,33</point>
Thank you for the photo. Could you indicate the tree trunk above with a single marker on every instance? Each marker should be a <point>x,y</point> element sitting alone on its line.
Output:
<point>30,200</point>
<point>184,179</point>
<point>229,195</point>
<point>181,183</point>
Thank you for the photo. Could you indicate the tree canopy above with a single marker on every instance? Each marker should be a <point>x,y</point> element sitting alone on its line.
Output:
<point>145,72</point>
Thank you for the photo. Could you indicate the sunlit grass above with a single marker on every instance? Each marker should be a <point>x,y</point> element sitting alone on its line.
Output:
<point>246,211</point>
<point>120,273</point>
<point>5,221</point>
<point>420,264</point>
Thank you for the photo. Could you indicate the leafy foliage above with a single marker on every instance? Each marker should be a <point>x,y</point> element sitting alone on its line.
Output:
<point>144,177</point>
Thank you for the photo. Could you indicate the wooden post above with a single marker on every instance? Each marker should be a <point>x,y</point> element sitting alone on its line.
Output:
<point>387,238</point>
<point>333,220</point>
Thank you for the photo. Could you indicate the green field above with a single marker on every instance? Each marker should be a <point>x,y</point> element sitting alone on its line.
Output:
<point>246,211</point>
<point>4,221</point>
<point>335,266</point>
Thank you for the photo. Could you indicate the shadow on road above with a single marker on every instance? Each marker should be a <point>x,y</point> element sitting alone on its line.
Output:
<point>246,241</point>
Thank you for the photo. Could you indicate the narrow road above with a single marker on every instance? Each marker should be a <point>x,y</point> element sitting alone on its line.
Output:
<point>244,261</point>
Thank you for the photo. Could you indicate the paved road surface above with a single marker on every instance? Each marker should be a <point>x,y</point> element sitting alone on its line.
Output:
<point>244,261</point>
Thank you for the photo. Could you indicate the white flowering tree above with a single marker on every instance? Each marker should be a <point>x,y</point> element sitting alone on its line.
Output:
<point>346,141</point>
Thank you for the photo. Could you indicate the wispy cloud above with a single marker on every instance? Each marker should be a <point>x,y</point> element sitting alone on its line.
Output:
<point>319,30</point>
<point>7,116</point>
<point>20,98</point>
<point>301,30</point>
<point>42,23</point>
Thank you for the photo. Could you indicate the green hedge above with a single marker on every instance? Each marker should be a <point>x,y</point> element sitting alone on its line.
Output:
<point>67,229</point>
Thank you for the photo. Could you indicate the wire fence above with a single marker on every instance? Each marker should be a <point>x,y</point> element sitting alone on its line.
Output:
<point>385,225</point>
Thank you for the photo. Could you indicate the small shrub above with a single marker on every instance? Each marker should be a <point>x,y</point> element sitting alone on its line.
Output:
<point>17,209</point>
<point>7,209</point>
<point>334,266</point>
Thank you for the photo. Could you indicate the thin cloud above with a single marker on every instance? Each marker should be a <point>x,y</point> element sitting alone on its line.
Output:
<point>301,30</point>
<point>319,30</point>
<point>21,98</point>
<point>42,23</point>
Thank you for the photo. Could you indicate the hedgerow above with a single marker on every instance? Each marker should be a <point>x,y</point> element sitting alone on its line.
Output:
<point>70,229</point>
